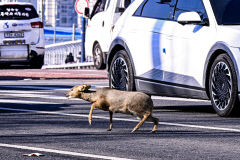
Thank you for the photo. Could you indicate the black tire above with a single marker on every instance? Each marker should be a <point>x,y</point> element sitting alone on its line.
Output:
<point>98,57</point>
<point>4,66</point>
<point>223,86</point>
<point>121,74</point>
<point>37,62</point>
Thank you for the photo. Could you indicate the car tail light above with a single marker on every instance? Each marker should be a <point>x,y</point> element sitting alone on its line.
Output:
<point>37,25</point>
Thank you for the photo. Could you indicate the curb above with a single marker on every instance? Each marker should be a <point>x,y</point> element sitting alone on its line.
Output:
<point>87,74</point>
<point>85,65</point>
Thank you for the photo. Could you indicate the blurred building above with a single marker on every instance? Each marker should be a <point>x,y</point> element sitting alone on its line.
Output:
<point>60,12</point>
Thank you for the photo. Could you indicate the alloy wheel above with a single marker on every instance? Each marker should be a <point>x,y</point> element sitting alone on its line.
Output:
<point>221,85</point>
<point>119,74</point>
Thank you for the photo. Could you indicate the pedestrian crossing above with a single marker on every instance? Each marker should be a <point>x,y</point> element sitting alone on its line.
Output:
<point>16,96</point>
<point>35,95</point>
<point>13,94</point>
<point>10,101</point>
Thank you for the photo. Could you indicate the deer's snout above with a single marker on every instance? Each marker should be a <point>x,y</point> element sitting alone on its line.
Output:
<point>67,94</point>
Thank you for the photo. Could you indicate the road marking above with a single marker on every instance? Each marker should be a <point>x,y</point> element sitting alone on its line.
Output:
<point>44,96</point>
<point>23,92</point>
<point>124,119</point>
<point>66,89</point>
<point>48,88</point>
<point>24,102</point>
<point>96,87</point>
<point>33,94</point>
<point>37,87</point>
<point>61,152</point>
<point>38,96</point>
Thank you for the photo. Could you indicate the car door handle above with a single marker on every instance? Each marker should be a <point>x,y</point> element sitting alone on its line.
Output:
<point>103,24</point>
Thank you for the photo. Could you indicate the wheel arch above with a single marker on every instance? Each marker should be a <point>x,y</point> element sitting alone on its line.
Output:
<point>118,44</point>
<point>94,43</point>
<point>217,49</point>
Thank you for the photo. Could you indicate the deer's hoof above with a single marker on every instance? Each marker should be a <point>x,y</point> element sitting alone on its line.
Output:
<point>153,132</point>
<point>90,122</point>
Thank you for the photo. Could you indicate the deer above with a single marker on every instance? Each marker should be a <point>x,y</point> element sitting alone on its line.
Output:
<point>115,101</point>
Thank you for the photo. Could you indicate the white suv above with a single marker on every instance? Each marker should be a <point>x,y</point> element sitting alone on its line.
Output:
<point>21,34</point>
<point>184,48</point>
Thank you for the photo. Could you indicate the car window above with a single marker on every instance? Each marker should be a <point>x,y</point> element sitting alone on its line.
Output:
<point>22,12</point>
<point>226,11</point>
<point>160,9</point>
<point>127,3</point>
<point>98,7</point>
<point>139,10</point>
<point>190,5</point>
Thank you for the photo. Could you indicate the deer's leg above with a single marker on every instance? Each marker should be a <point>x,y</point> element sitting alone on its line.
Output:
<point>90,113</point>
<point>110,122</point>
<point>155,121</point>
<point>141,122</point>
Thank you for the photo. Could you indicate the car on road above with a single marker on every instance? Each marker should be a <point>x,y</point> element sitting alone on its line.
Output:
<point>183,48</point>
<point>22,35</point>
<point>101,22</point>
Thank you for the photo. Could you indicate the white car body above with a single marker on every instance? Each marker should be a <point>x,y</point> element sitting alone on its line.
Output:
<point>100,27</point>
<point>170,58</point>
<point>21,37</point>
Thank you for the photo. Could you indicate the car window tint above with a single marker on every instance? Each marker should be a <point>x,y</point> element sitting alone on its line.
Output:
<point>160,9</point>
<point>11,12</point>
<point>226,11</point>
<point>98,7</point>
<point>139,10</point>
<point>190,5</point>
<point>231,14</point>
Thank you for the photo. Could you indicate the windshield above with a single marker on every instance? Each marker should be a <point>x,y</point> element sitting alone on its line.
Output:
<point>10,12</point>
<point>226,11</point>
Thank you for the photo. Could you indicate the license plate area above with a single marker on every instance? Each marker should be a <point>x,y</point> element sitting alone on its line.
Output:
<point>14,52</point>
<point>14,34</point>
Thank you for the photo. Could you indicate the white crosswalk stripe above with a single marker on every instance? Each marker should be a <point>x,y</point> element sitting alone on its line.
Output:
<point>3,92</point>
<point>49,95</point>
<point>36,96</point>
<point>46,94</point>
<point>37,87</point>
<point>24,102</point>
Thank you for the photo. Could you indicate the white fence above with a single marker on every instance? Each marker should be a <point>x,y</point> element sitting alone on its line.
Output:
<point>56,54</point>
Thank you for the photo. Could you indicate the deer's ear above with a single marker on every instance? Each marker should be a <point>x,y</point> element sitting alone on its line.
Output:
<point>86,87</point>
<point>83,87</point>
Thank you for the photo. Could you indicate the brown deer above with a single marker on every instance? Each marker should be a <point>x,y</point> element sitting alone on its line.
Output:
<point>134,103</point>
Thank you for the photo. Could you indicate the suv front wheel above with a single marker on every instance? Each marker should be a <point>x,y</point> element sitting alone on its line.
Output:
<point>223,86</point>
<point>121,72</point>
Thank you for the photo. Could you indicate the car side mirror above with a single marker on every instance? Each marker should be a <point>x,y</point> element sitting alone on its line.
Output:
<point>87,12</point>
<point>189,18</point>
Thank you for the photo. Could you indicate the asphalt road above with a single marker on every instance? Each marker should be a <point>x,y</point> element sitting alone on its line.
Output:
<point>35,117</point>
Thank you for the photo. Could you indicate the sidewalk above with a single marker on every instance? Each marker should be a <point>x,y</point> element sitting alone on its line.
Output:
<point>7,74</point>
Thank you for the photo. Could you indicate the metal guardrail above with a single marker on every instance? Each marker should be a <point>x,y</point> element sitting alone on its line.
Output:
<point>56,54</point>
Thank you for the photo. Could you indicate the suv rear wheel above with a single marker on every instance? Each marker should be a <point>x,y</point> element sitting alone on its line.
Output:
<point>223,86</point>
<point>98,57</point>
<point>121,72</point>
